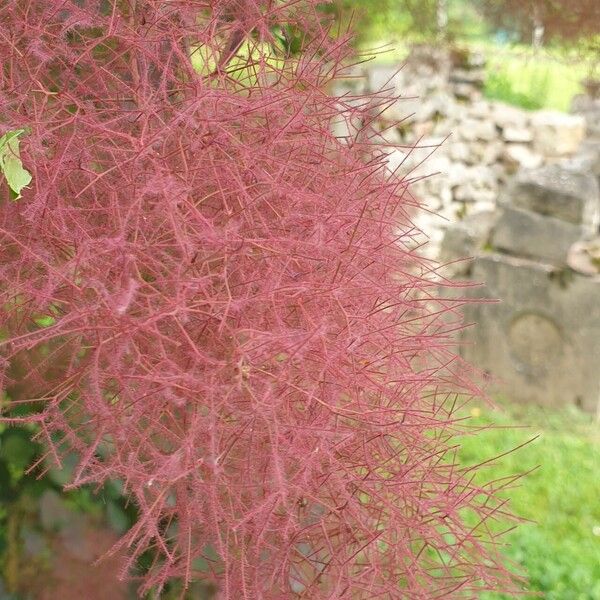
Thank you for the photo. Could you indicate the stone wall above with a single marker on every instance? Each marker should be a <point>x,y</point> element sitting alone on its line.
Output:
<point>458,148</point>
<point>518,191</point>
<point>541,342</point>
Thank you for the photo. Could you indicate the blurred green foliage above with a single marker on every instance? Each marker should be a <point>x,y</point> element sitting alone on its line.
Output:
<point>411,20</point>
<point>540,81</point>
<point>547,78</point>
<point>500,85</point>
<point>22,488</point>
<point>560,546</point>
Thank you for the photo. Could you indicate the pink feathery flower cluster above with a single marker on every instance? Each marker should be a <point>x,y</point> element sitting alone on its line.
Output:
<point>210,297</point>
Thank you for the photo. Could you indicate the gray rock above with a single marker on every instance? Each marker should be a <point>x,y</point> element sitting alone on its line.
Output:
<point>475,129</point>
<point>465,239</point>
<point>519,135</point>
<point>404,109</point>
<point>520,156</point>
<point>584,257</point>
<point>487,153</point>
<point>457,174</point>
<point>347,125</point>
<point>557,192</point>
<point>582,163</point>
<point>480,206</point>
<point>402,103</point>
<point>438,105</point>
<point>470,192</point>
<point>467,131</point>
<point>541,342</point>
<point>354,82</point>
<point>392,136</point>
<point>527,234</point>
<point>434,190</point>
<point>588,157</point>
<point>428,244</point>
<point>476,60</point>
<point>397,160</point>
<point>385,78</point>
<point>589,109</point>
<point>426,111</point>
<point>443,128</point>
<point>422,129</point>
<point>583,103</point>
<point>505,115</point>
<point>476,184</point>
<point>474,77</point>
<point>423,160</point>
<point>483,177</point>
<point>345,130</point>
<point>501,173</point>
<point>481,109</point>
<point>557,134</point>
<point>466,91</point>
<point>459,151</point>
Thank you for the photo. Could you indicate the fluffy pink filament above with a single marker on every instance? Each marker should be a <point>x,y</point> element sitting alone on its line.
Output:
<point>243,332</point>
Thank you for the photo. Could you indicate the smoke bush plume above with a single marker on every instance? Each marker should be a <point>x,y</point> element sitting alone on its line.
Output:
<point>209,296</point>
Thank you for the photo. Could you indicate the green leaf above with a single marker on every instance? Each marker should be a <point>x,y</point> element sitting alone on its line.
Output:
<point>10,162</point>
<point>44,320</point>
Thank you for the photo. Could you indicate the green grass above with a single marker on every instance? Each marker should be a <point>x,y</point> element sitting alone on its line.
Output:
<point>533,82</point>
<point>561,549</point>
<point>560,545</point>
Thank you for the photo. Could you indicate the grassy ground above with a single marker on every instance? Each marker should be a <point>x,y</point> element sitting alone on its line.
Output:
<point>531,81</point>
<point>560,549</point>
<point>559,546</point>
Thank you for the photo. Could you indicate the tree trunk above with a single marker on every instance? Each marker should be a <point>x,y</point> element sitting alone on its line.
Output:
<point>442,18</point>
<point>537,35</point>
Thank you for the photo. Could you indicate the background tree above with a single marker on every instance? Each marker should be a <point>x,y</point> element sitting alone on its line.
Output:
<point>562,20</point>
<point>413,20</point>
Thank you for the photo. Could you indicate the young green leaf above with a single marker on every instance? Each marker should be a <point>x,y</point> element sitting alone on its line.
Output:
<point>11,166</point>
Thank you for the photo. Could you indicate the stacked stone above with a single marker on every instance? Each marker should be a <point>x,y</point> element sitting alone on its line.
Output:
<point>524,188</point>
<point>589,108</point>
<point>541,343</point>
<point>480,143</point>
<point>545,211</point>
<point>468,168</point>
<point>467,78</point>
<point>480,146</point>
<point>459,154</point>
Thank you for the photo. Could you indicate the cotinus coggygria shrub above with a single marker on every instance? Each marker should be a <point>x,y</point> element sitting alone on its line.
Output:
<point>209,297</point>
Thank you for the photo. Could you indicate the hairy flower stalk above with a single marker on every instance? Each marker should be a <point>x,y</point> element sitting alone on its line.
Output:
<point>208,296</point>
